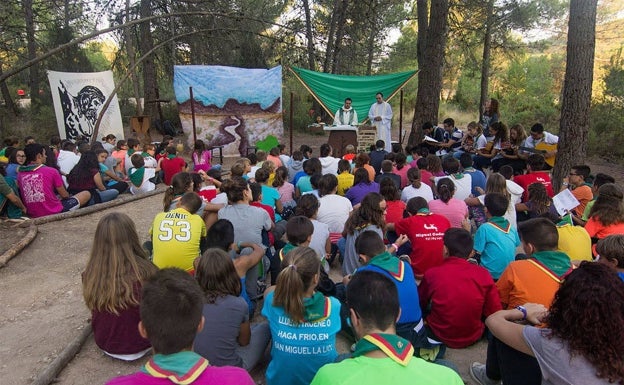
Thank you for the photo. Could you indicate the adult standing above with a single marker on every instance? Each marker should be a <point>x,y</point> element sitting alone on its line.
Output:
<point>380,115</point>
<point>490,116</point>
<point>346,115</point>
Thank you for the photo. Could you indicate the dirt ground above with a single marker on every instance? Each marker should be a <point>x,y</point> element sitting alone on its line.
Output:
<point>41,305</point>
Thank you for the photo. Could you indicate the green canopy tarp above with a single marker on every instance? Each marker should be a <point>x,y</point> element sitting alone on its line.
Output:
<point>331,90</point>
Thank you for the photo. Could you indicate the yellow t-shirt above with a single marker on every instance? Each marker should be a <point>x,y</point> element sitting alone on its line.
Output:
<point>175,236</point>
<point>574,241</point>
<point>345,180</point>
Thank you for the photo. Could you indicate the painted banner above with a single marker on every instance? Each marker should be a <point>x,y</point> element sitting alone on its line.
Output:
<point>234,107</point>
<point>78,99</point>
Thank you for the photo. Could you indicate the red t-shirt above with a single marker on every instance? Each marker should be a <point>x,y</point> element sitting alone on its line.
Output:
<point>425,232</point>
<point>425,177</point>
<point>534,177</point>
<point>394,211</point>
<point>271,212</point>
<point>461,295</point>
<point>171,167</point>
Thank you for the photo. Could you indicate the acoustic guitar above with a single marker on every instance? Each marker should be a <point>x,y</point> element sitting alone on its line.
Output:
<point>542,148</point>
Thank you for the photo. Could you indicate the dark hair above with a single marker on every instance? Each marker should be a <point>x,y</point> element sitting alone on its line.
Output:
<point>349,99</point>
<point>275,151</point>
<point>538,128</point>
<point>343,165</point>
<point>256,191</point>
<point>375,300</point>
<point>299,229</point>
<point>199,147</point>
<point>434,164</point>
<point>536,162</point>
<point>582,170</point>
<point>401,160</point>
<point>601,179</point>
<point>369,213</point>
<point>304,148</point>
<point>450,165</point>
<point>588,313</point>
<point>413,175</point>
<point>465,160</point>
<point>170,150</point>
<point>612,248</point>
<point>496,204</point>
<point>253,159</point>
<point>191,201</point>
<point>312,166</point>
<point>361,176</point>
<point>120,144</point>
<point>459,242</point>
<point>216,275</point>
<point>180,183</point>
<point>369,243</point>
<point>137,160</point>
<point>446,189</point>
<point>427,126</point>
<point>281,176</point>
<point>388,190</point>
<point>506,171</point>
<point>327,184</point>
<point>297,155</point>
<point>197,181</point>
<point>361,159</point>
<point>262,175</point>
<point>539,197</point>
<point>171,310</point>
<point>493,107</point>
<point>380,144</point>
<point>314,180</point>
<point>11,153</point>
<point>133,142</point>
<point>502,133</point>
<point>422,163</point>
<point>299,267</point>
<point>220,235</point>
<point>415,204</point>
<point>68,146</point>
<point>84,170</point>
<point>449,122</point>
<point>608,208</point>
<point>386,166</point>
<point>234,188</point>
<point>32,150</point>
<point>325,150</point>
<point>308,205</point>
<point>540,232</point>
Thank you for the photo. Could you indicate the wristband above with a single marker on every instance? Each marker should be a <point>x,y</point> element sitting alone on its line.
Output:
<point>396,248</point>
<point>524,312</point>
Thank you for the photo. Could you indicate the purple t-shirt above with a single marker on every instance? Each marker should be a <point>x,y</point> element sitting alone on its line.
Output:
<point>38,190</point>
<point>357,192</point>
<point>212,375</point>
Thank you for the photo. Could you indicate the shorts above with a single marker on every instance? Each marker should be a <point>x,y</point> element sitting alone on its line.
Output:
<point>70,204</point>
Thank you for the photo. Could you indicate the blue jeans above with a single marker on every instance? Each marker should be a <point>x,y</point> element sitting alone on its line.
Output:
<point>106,195</point>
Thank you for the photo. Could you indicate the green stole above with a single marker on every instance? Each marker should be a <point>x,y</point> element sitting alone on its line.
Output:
<point>136,176</point>
<point>317,307</point>
<point>396,348</point>
<point>388,262</point>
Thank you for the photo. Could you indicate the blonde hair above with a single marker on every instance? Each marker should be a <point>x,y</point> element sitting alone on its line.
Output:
<point>496,183</point>
<point>299,267</point>
<point>117,266</point>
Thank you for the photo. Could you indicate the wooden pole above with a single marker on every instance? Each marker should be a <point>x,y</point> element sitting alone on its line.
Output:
<point>193,114</point>
<point>291,114</point>
<point>401,119</point>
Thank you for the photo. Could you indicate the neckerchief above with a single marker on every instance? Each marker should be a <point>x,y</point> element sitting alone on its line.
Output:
<point>423,211</point>
<point>459,175</point>
<point>29,168</point>
<point>171,156</point>
<point>284,250</point>
<point>396,348</point>
<point>469,169</point>
<point>180,368</point>
<point>317,307</point>
<point>500,223</point>
<point>556,261</point>
<point>136,176</point>
<point>130,152</point>
<point>389,263</point>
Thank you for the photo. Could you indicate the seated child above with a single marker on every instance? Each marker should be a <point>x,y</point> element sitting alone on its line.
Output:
<point>611,252</point>
<point>345,178</point>
<point>177,234</point>
<point>386,172</point>
<point>171,165</point>
<point>141,177</point>
<point>458,295</point>
<point>496,240</point>
<point>349,153</point>
<point>299,231</point>
<point>171,315</point>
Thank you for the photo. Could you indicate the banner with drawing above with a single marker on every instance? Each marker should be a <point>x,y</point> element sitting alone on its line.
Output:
<point>78,99</point>
<point>234,107</point>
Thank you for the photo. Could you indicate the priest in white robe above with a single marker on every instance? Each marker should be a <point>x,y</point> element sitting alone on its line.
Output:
<point>380,115</point>
<point>346,115</point>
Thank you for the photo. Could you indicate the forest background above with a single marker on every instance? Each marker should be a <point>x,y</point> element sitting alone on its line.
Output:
<point>511,50</point>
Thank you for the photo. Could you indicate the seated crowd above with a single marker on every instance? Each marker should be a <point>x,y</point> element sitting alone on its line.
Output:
<point>434,254</point>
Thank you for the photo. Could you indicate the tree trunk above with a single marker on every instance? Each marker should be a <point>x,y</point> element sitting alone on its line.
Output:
<point>432,35</point>
<point>485,63</point>
<point>33,81</point>
<point>330,37</point>
<point>149,68</point>
<point>6,95</point>
<point>309,37</point>
<point>577,88</point>
<point>131,61</point>
<point>340,21</point>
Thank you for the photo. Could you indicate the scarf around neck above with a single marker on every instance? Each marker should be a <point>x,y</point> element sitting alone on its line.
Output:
<point>180,368</point>
<point>396,348</point>
<point>317,307</point>
<point>556,261</point>
<point>136,176</point>
<point>393,265</point>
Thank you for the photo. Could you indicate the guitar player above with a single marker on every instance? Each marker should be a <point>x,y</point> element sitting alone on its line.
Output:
<point>538,136</point>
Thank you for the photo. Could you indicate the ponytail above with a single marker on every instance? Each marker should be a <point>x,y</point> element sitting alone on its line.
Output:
<point>180,183</point>
<point>169,195</point>
<point>299,267</point>
<point>446,189</point>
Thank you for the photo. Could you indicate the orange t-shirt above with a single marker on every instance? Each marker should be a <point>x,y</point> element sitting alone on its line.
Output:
<point>371,171</point>
<point>526,281</point>
<point>595,229</point>
<point>583,194</point>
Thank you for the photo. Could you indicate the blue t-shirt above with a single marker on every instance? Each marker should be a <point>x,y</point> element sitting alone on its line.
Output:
<point>621,275</point>
<point>408,292</point>
<point>298,351</point>
<point>496,246</point>
<point>478,180</point>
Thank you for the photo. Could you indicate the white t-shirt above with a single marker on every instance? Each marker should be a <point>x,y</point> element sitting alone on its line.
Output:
<point>334,211</point>
<point>463,186</point>
<point>319,239</point>
<point>410,192</point>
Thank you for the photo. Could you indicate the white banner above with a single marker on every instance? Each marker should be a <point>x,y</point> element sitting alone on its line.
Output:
<point>78,99</point>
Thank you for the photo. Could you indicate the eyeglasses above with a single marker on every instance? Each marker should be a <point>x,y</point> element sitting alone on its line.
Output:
<point>20,156</point>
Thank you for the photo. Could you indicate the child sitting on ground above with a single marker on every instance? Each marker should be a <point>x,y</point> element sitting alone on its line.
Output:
<point>141,177</point>
<point>171,316</point>
<point>345,178</point>
<point>177,234</point>
<point>171,165</point>
<point>299,231</point>
<point>496,240</point>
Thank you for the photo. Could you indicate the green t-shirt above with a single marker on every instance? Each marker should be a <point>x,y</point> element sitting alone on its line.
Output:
<point>374,371</point>
<point>588,208</point>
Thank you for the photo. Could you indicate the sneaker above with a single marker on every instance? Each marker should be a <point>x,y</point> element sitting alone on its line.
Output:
<point>74,204</point>
<point>477,372</point>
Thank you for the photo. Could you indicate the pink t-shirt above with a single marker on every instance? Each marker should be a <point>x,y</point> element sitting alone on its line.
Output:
<point>38,190</point>
<point>403,174</point>
<point>455,210</point>
<point>286,193</point>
